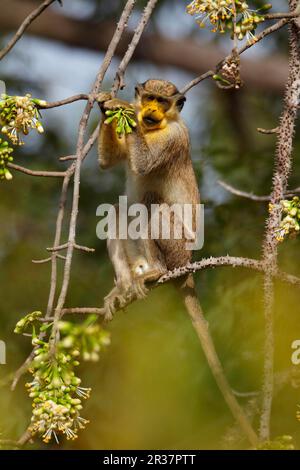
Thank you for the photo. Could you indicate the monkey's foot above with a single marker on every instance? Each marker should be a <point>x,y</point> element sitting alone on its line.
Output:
<point>113,301</point>
<point>140,291</point>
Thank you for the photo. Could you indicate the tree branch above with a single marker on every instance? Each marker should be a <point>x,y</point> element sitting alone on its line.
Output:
<point>196,81</point>
<point>74,169</point>
<point>27,22</point>
<point>242,49</point>
<point>119,79</point>
<point>283,162</point>
<point>46,174</point>
<point>238,192</point>
<point>254,197</point>
<point>277,16</point>
<point>71,99</point>
<point>205,263</point>
<point>264,33</point>
<point>268,131</point>
<point>79,154</point>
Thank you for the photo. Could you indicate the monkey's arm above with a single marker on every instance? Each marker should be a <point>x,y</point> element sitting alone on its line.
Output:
<point>111,147</point>
<point>154,150</point>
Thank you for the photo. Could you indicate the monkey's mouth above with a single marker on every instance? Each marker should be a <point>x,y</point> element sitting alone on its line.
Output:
<point>150,121</point>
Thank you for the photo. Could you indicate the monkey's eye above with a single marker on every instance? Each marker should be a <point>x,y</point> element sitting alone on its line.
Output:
<point>150,98</point>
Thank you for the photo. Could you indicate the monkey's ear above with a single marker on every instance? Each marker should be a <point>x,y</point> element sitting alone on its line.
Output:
<point>180,102</point>
<point>138,89</point>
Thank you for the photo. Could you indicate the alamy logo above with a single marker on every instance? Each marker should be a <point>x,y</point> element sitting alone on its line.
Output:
<point>2,353</point>
<point>295,358</point>
<point>135,221</point>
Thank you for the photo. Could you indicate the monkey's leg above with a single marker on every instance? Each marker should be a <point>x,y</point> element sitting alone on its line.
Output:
<point>119,295</point>
<point>118,255</point>
<point>175,250</point>
<point>144,260</point>
<point>135,262</point>
<point>146,263</point>
<point>132,271</point>
<point>131,268</point>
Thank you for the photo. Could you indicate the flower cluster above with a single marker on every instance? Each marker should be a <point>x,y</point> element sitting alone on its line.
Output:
<point>88,337</point>
<point>5,158</point>
<point>228,73</point>
<point>26,321</point>
<point>55,388</point>
<point>19,114</point>
<point>290,222</point>
<point>223,14</point>
<point>124,119</point>
<point>55,391</point>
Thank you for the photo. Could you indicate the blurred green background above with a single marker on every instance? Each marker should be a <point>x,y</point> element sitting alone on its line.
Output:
<point>152,389</point>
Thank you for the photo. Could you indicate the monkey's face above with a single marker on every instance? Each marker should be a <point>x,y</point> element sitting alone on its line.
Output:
<point>154,108</point>
<point>157,102</point>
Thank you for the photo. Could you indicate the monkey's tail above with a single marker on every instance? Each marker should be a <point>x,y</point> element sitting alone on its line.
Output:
<point>201,326</point>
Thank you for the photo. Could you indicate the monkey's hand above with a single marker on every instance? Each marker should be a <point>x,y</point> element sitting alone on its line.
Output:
<point>122,117</point>
<point>116,103</point>
<point>104,96</point>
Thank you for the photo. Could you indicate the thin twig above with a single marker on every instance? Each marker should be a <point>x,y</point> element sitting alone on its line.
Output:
<point>240,193</point>
<point>277,16</point>
<point>47,174</point>
<point>268,131</point>
<point>83,310</point>
<point>264,33</point>
<point>119,80</point>
<point>58,247</point>
<point>57,238</point>
<point>47,260</point>
<point>245,394</point>
<point>84,248</point>
<point>67,158</point>
<point>71,99</point>
<point>252,196</point>
<point>30,18</point>
<point>66,245</point>
<point>53,281</point>
<point>196,80</point>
